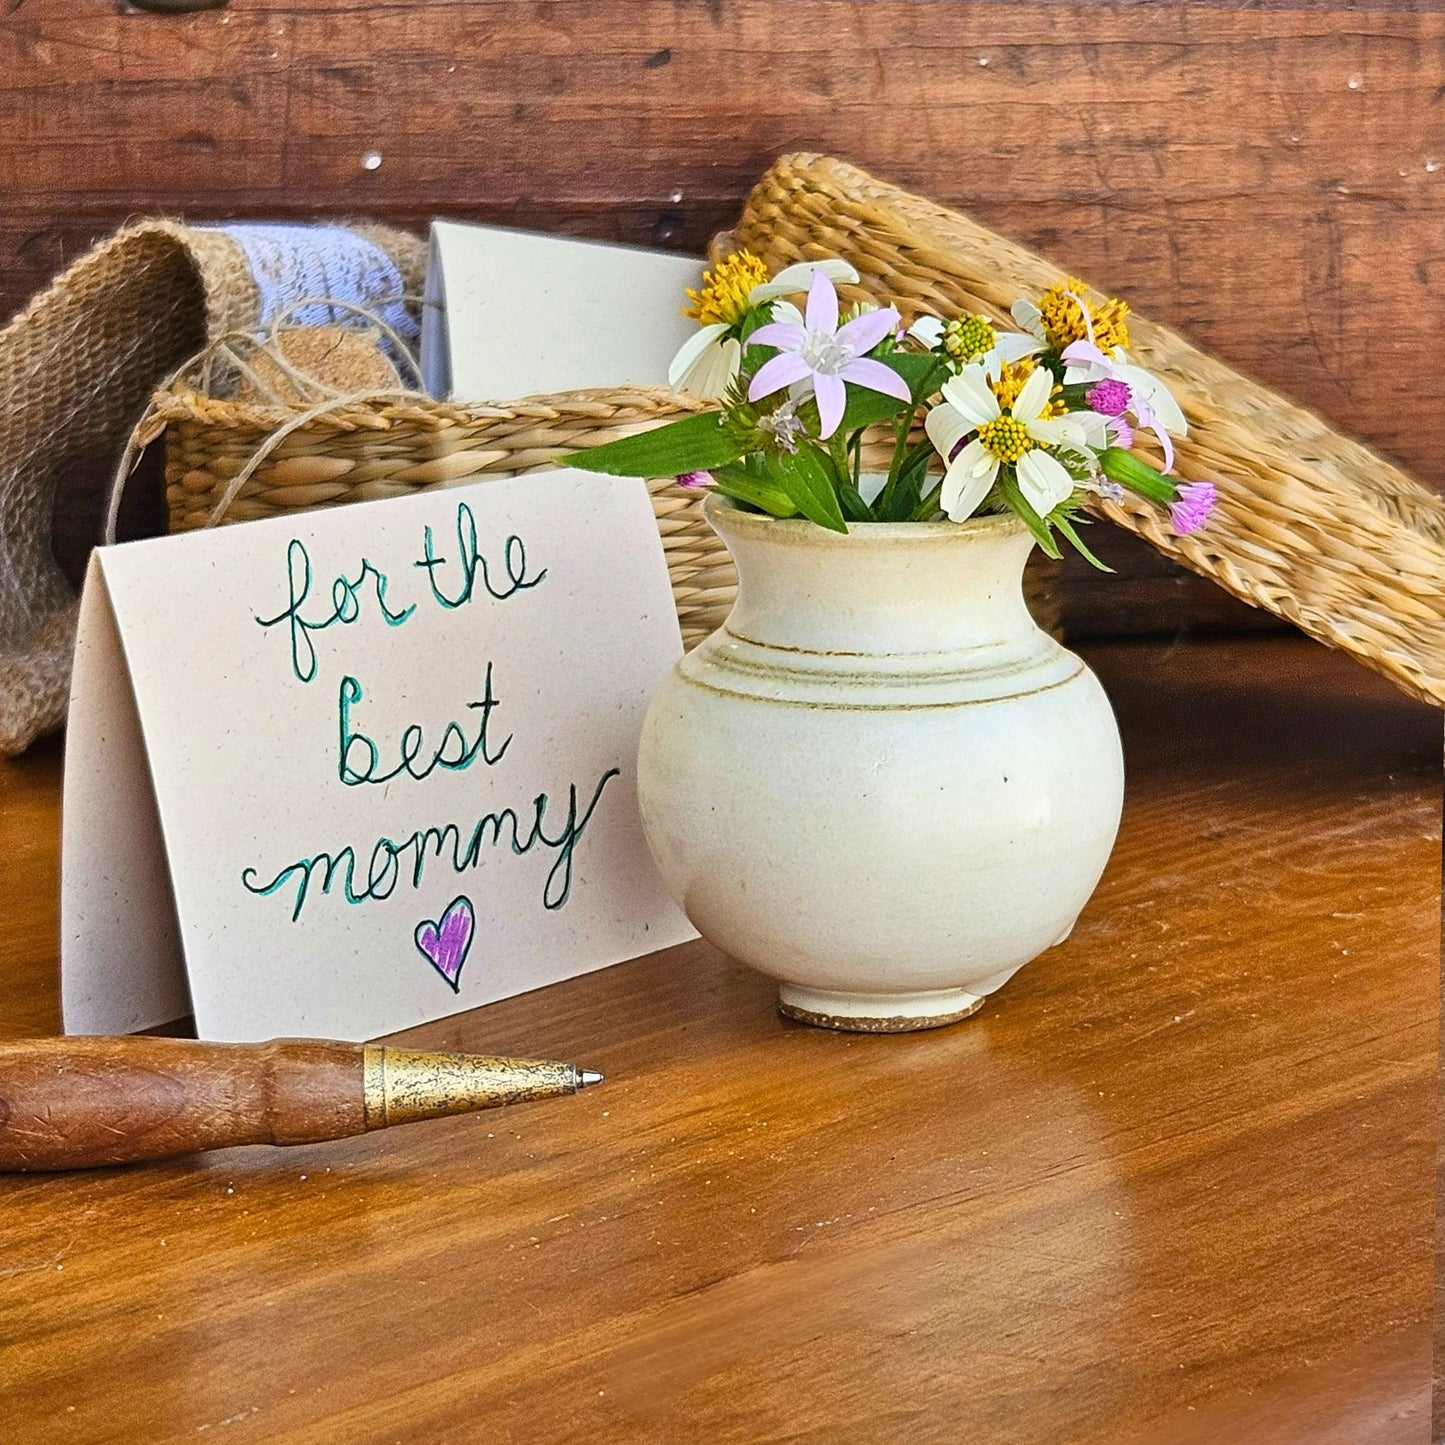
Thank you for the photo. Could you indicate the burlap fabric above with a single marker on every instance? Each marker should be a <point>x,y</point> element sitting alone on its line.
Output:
<point>77,368</point>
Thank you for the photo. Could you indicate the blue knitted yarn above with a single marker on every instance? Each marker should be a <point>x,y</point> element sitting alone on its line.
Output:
<point>290,262</point>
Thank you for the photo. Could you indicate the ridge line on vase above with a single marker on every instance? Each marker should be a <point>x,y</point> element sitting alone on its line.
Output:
<point>880,782</point>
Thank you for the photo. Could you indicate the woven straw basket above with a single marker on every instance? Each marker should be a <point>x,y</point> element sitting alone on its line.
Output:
<point>1312,526</point>
<point>365,450</point>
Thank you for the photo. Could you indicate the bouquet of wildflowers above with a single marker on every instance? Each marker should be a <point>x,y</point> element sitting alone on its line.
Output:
<point>984,420</point>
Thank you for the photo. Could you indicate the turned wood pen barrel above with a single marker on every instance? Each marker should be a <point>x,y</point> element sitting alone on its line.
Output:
<point>73,1103</point>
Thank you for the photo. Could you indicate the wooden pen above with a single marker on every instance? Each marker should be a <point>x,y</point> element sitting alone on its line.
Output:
<point>75,1103</point>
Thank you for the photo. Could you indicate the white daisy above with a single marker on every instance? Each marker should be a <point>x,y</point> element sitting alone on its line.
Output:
<point>1022,436</point>
<point>797,278</point>
<point>706,362</point>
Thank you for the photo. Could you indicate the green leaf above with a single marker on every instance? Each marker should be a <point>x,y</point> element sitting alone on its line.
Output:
<point>743,486</point>
<point>907,489</point>
<point>804,476</point>
<point>917,370</point>
<point>855,509</point>
<point>1009,486</point>
<point>694,444</point>
<point>1066,526</point>
<point>756,318</point>
<point>1126,469</point>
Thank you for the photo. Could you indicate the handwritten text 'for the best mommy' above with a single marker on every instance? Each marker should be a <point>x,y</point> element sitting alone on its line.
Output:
<point>361,757</point>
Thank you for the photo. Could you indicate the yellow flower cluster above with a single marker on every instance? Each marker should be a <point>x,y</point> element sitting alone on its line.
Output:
<point>726,288</point>
<point>1064,319</point>
<point>1006,438</point>
<point>1011,378</point>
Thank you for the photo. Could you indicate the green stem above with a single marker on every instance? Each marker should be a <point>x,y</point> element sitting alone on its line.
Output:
<point>921,450</point>
<point>838,451</point>
<point>928,504</point>
<point>855,458</point>
<point>902,429</point>
<point>925,387</point>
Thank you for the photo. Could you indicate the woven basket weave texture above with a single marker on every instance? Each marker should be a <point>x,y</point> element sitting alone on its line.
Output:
<point>1315,527</point>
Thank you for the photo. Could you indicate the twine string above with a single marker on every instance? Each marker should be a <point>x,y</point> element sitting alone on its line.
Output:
<point>235,352</point>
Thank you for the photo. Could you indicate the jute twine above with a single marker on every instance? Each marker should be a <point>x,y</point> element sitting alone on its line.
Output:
<point>307,396</point>
<point>1312,526</point>
<point>231,460</point>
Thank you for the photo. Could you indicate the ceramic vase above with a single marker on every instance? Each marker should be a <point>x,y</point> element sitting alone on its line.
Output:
<point>880,782</point>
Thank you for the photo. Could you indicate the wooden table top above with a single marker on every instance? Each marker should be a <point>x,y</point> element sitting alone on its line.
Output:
<point>1176,1181</point>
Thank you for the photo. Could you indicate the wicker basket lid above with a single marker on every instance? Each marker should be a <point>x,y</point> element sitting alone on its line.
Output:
<point>1311,525</point>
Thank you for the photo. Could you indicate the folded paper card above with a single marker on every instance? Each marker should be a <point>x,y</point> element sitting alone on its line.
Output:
<point>345,771</point>
<point>610,315</point>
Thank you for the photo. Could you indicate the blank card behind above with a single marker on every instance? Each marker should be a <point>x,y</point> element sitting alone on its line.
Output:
<point>510,313</point>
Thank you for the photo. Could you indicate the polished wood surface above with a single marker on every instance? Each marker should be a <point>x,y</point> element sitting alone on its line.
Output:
<point>1268,177</point>
<point>1376,1393</point>
<point>1179,1170</point>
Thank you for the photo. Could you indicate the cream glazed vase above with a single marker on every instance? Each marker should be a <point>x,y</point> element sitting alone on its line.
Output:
<point>880,782</point>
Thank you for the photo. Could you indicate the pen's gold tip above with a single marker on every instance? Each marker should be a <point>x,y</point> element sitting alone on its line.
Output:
<point>586,1077</point>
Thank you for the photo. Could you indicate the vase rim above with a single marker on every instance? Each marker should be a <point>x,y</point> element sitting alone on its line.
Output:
<point>996,524</point>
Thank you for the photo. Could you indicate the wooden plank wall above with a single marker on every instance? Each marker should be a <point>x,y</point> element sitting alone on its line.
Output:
<point>1269,179</point>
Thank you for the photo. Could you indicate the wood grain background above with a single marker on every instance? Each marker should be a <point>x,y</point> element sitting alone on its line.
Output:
<point>1270,180</point>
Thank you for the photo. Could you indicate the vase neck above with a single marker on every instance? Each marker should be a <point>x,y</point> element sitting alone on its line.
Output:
<point>880,590</point>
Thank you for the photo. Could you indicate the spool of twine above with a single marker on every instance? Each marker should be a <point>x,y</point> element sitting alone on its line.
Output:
<point>259,360</point>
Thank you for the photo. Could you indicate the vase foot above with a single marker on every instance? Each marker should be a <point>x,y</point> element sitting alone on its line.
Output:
<point>871,1013</point>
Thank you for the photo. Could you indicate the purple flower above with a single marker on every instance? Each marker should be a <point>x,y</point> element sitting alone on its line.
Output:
<point>1192,505</point>
<point>825,355</point>
<point>695,481</point>
<point>1109,397</point>
<point>1154,409</point>
<point>1119,432</point>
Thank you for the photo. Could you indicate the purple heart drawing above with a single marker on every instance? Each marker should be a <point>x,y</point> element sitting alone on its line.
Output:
<point>444,945</point>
